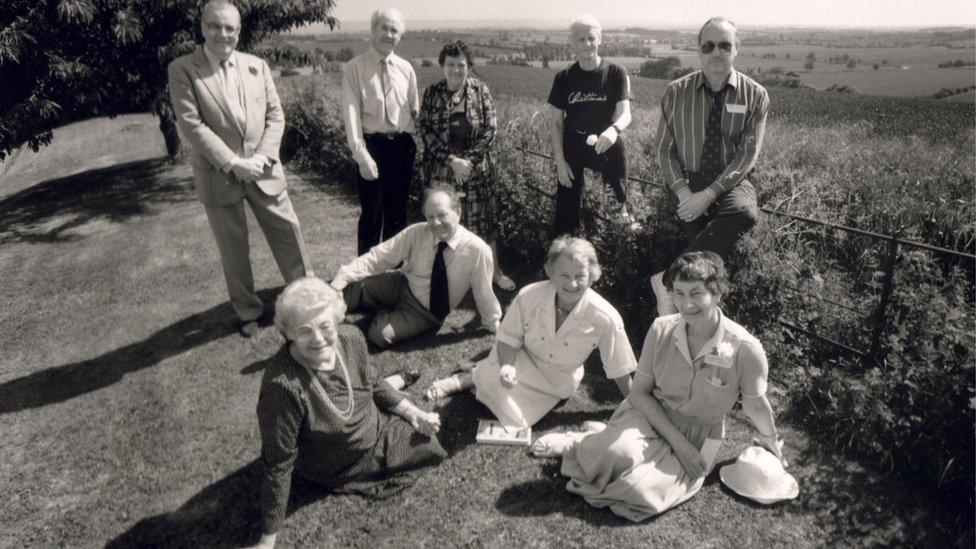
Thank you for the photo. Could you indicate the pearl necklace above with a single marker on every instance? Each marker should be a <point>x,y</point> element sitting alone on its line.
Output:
<point>320,389</point>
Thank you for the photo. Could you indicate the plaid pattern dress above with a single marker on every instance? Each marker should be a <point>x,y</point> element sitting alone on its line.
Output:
<point>479,200</point>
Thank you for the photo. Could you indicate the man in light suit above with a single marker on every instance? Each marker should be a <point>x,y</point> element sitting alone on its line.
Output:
<point>228,110</point>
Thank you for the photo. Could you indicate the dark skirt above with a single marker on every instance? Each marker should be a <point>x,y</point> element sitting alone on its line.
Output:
<point>384,471</point>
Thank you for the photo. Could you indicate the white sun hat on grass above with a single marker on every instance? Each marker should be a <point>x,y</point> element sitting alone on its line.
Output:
<point>759,475</point>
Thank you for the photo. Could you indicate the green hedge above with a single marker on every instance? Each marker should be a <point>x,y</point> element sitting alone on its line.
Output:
<point>912,412</point>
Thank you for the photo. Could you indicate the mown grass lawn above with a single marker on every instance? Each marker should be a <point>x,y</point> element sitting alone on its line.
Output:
<point>127,403</point>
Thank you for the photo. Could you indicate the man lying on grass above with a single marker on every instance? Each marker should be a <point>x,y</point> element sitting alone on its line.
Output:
<point>441,261</point>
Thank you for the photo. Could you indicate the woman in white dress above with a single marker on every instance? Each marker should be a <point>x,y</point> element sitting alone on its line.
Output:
<point>549,330</point>
<point>662,441</point>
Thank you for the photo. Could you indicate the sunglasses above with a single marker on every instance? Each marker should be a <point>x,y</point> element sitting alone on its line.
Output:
<point>709,47</point>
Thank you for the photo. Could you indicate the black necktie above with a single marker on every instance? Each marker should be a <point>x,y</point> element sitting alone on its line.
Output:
<point>711,161</point>
<point>440,300</point>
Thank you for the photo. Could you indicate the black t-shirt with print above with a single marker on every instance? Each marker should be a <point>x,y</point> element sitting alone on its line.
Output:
<point>589,97</point>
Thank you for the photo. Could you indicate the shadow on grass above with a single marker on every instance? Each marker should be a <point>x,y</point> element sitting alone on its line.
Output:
<point>62,383</point>
<point>851,502</point>
<point>548,495</point>
<point>224,514</point>
<point>53,211</point>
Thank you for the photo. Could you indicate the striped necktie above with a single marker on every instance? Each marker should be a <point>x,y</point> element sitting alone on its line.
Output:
<point>390,107</point>
<point>232,91</point>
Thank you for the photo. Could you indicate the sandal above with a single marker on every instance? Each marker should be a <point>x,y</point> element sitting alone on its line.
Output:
<point>554,444</point>
<point>443,388</point>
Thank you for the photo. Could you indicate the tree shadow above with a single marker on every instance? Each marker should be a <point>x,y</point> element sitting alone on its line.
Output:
<point>225,514</point>
<point>57,210</point>
<point>851,502</point>
<point>68,381</point>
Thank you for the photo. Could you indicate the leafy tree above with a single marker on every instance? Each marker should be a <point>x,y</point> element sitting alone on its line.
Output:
<point>809,65</point>
<point>852,64</point>
<point>68,60</point>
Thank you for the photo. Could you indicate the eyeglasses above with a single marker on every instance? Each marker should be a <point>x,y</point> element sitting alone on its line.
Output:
<point>709,47</point>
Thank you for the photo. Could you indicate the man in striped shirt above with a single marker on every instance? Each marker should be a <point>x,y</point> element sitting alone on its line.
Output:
<point>709,137</point>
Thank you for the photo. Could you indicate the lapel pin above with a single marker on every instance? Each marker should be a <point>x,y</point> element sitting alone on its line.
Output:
<point>253,70</point>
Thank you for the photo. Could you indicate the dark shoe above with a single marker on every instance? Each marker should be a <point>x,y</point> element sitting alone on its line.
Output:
<point>248,329</point>
<point>410,377</point>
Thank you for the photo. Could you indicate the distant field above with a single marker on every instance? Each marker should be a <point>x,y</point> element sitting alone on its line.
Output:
<point>413,48</point>
<point>909,72</point>
<point>905,83</point>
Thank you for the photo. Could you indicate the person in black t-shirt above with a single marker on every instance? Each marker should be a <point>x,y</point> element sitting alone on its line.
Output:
<point>589,107</point>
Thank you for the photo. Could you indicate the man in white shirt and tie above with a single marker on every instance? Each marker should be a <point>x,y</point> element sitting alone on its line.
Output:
<point>380,105</point>
<point>228,110</point>
<point>441,261</point>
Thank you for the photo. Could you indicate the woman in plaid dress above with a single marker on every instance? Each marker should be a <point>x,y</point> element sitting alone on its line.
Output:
<point>457,124</point>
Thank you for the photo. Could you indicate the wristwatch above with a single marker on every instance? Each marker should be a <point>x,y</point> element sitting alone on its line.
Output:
<point>614,126</point>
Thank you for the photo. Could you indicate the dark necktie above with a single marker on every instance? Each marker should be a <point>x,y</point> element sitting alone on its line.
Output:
<point>711,161</point>
<point>440,300</point>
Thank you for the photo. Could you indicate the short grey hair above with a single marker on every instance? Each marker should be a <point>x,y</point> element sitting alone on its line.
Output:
<point>576,249</point>
<point>392,14</point>
<point>584,22</point>
<point>447,189</point>
<point>303,295</point>
<point>216,5</point>
<point>718,20</point>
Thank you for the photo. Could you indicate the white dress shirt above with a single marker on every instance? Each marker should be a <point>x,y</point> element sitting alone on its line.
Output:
<point>364,101</point>
<point>467,257</point>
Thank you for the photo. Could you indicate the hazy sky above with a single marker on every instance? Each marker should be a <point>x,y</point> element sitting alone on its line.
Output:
<point>898,13</point>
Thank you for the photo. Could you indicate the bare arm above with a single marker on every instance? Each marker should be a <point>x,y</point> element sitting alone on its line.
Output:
<point>623,383</point>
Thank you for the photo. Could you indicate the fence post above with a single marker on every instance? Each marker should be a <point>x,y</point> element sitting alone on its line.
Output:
<point>889,280</point>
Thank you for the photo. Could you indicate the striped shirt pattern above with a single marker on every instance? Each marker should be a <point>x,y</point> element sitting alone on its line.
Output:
<point>681,132</point>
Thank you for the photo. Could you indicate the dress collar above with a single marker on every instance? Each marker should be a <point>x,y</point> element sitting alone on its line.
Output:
<point>680,336</point>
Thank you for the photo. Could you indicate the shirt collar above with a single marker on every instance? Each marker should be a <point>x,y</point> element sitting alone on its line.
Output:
<point>456,239</point>
<point>377,57</point>
<point>680,336</point>
<point>215,61</point>
<point>701,81</point>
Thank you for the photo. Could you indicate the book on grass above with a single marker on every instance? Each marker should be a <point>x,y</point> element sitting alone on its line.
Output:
<point>491,431</point>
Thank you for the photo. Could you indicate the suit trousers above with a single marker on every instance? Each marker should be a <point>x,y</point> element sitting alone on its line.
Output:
<point>399,315</point>
<point>384,200</point>
<point>724,222</point>
<point>612,165</point>
<point>276,217</point>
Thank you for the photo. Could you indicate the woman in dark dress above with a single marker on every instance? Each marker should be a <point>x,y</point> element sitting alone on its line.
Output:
<point>323,413</point>
<point>457,124</point>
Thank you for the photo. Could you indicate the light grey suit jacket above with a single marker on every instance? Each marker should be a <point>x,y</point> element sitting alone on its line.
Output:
<point>205,121</point>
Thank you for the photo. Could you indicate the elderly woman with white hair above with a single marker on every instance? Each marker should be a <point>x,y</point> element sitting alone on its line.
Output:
<point>323,413</point>
<point>549,330</point>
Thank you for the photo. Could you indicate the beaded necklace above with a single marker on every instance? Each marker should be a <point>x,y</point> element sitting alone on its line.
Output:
<point>320,389</point>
